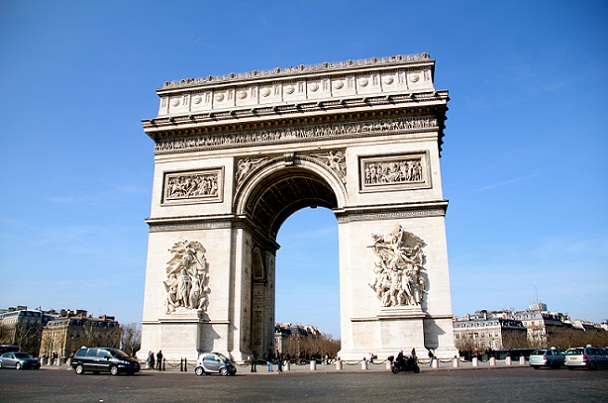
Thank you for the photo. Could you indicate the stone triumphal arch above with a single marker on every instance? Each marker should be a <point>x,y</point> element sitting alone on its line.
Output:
<point>236,155</point>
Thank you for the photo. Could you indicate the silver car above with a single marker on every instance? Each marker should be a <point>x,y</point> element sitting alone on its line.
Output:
<point>208,363</point>
<point>18,360</point>
<point>547,357</point>
<point>586,357</point>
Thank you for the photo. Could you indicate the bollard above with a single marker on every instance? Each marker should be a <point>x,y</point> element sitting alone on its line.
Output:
<point>435,363</point>
<point>508,361</point>
<point>389,365</point>
<point>339,365</point>
<point>313,365</point>
<point>475,362</point>
<point>364,365</point>
<point>287,366</point>
<point>522,360</point>
<point>456,362</point>
<point>492,361</point>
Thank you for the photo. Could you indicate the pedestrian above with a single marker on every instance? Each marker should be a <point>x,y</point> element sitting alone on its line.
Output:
<point>414,354</point>
<point>268,358</point>
<point>254,363</point>
<point>159,360</point>
<point>431,358</point>
<point>279,364</point>
<point>150,360</point>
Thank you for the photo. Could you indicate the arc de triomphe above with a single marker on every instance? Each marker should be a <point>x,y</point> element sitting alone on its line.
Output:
<point>236,155</point>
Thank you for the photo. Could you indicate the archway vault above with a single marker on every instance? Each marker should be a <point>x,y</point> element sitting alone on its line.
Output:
<point>277,192</point>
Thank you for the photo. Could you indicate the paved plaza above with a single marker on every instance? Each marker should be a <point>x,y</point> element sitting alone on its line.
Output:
<point>466,384</point>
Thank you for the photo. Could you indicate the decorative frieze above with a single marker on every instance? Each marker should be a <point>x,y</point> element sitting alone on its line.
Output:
<point>297,134</point>
<point>177,225</point>
<point>187,187</point>
<point>394,172</point>
<point>393,215</point>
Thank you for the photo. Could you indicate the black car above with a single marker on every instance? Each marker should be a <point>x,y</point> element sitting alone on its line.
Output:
<point>104,359</point>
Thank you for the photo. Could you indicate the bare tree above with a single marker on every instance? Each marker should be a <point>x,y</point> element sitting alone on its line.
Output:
<point>27,336</point>
<point>130,338</point>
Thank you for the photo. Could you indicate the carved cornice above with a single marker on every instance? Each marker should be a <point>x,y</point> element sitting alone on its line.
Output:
<point>301,69</point>
<point>393,212</point>
<point>260,117</point>
<point>190,223</point>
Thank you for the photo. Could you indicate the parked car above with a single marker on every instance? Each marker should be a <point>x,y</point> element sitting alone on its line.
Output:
<point>208,363</point>
<point>104,359</point>
<point>18,360</point>
<point>588,356</point>
<point>547,357</point>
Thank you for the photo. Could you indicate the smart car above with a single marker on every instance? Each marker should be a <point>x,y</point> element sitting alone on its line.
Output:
<point>18,360</point>
<point>104,359</point>
<point>208,363</point>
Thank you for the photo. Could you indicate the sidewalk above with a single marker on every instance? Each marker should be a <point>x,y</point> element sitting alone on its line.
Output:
<point>346,367</point>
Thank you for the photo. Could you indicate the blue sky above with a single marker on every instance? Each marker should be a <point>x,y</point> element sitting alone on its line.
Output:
<point>524,161</point>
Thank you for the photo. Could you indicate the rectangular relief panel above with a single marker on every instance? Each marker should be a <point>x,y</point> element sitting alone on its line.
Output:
<point>191,187</point>
<point>390,172</point>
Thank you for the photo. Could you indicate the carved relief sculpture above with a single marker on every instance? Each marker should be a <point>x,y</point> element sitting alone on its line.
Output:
<point>336,161</point>
<point>395,172</point>
<point>187,282</point>
<point>397,273</point>
<point>192,186</point>
<point>245,166</point>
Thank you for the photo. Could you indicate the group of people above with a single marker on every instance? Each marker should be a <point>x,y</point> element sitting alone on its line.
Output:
<point>401,358</point>
<point>276,357</point>
<point>155,364</point>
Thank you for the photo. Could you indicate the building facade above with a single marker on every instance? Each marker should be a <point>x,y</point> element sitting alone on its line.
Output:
<point>56,334</point>
<point>483,332</point>
<point>23,327</point>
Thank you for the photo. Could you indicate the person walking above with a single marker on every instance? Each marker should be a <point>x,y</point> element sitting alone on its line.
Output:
<point>268,358</point>
<point>431,358</point>
<point>150,360</point>
<point>278,357</point>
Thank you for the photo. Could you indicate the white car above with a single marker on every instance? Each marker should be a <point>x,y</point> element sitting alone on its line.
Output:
<point>586,357</point>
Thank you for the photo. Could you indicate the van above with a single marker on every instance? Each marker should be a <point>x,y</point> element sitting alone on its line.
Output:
<point>104,359</point>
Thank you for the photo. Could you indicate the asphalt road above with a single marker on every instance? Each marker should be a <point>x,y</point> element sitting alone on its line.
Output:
<point>519,384</point>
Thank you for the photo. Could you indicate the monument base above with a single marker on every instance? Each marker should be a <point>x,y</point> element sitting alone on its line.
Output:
<point>392,330</point>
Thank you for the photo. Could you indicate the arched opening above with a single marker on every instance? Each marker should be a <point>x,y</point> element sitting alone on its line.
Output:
<point>285,191</point>
<point>307,275</point>
<point>278,194</point>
